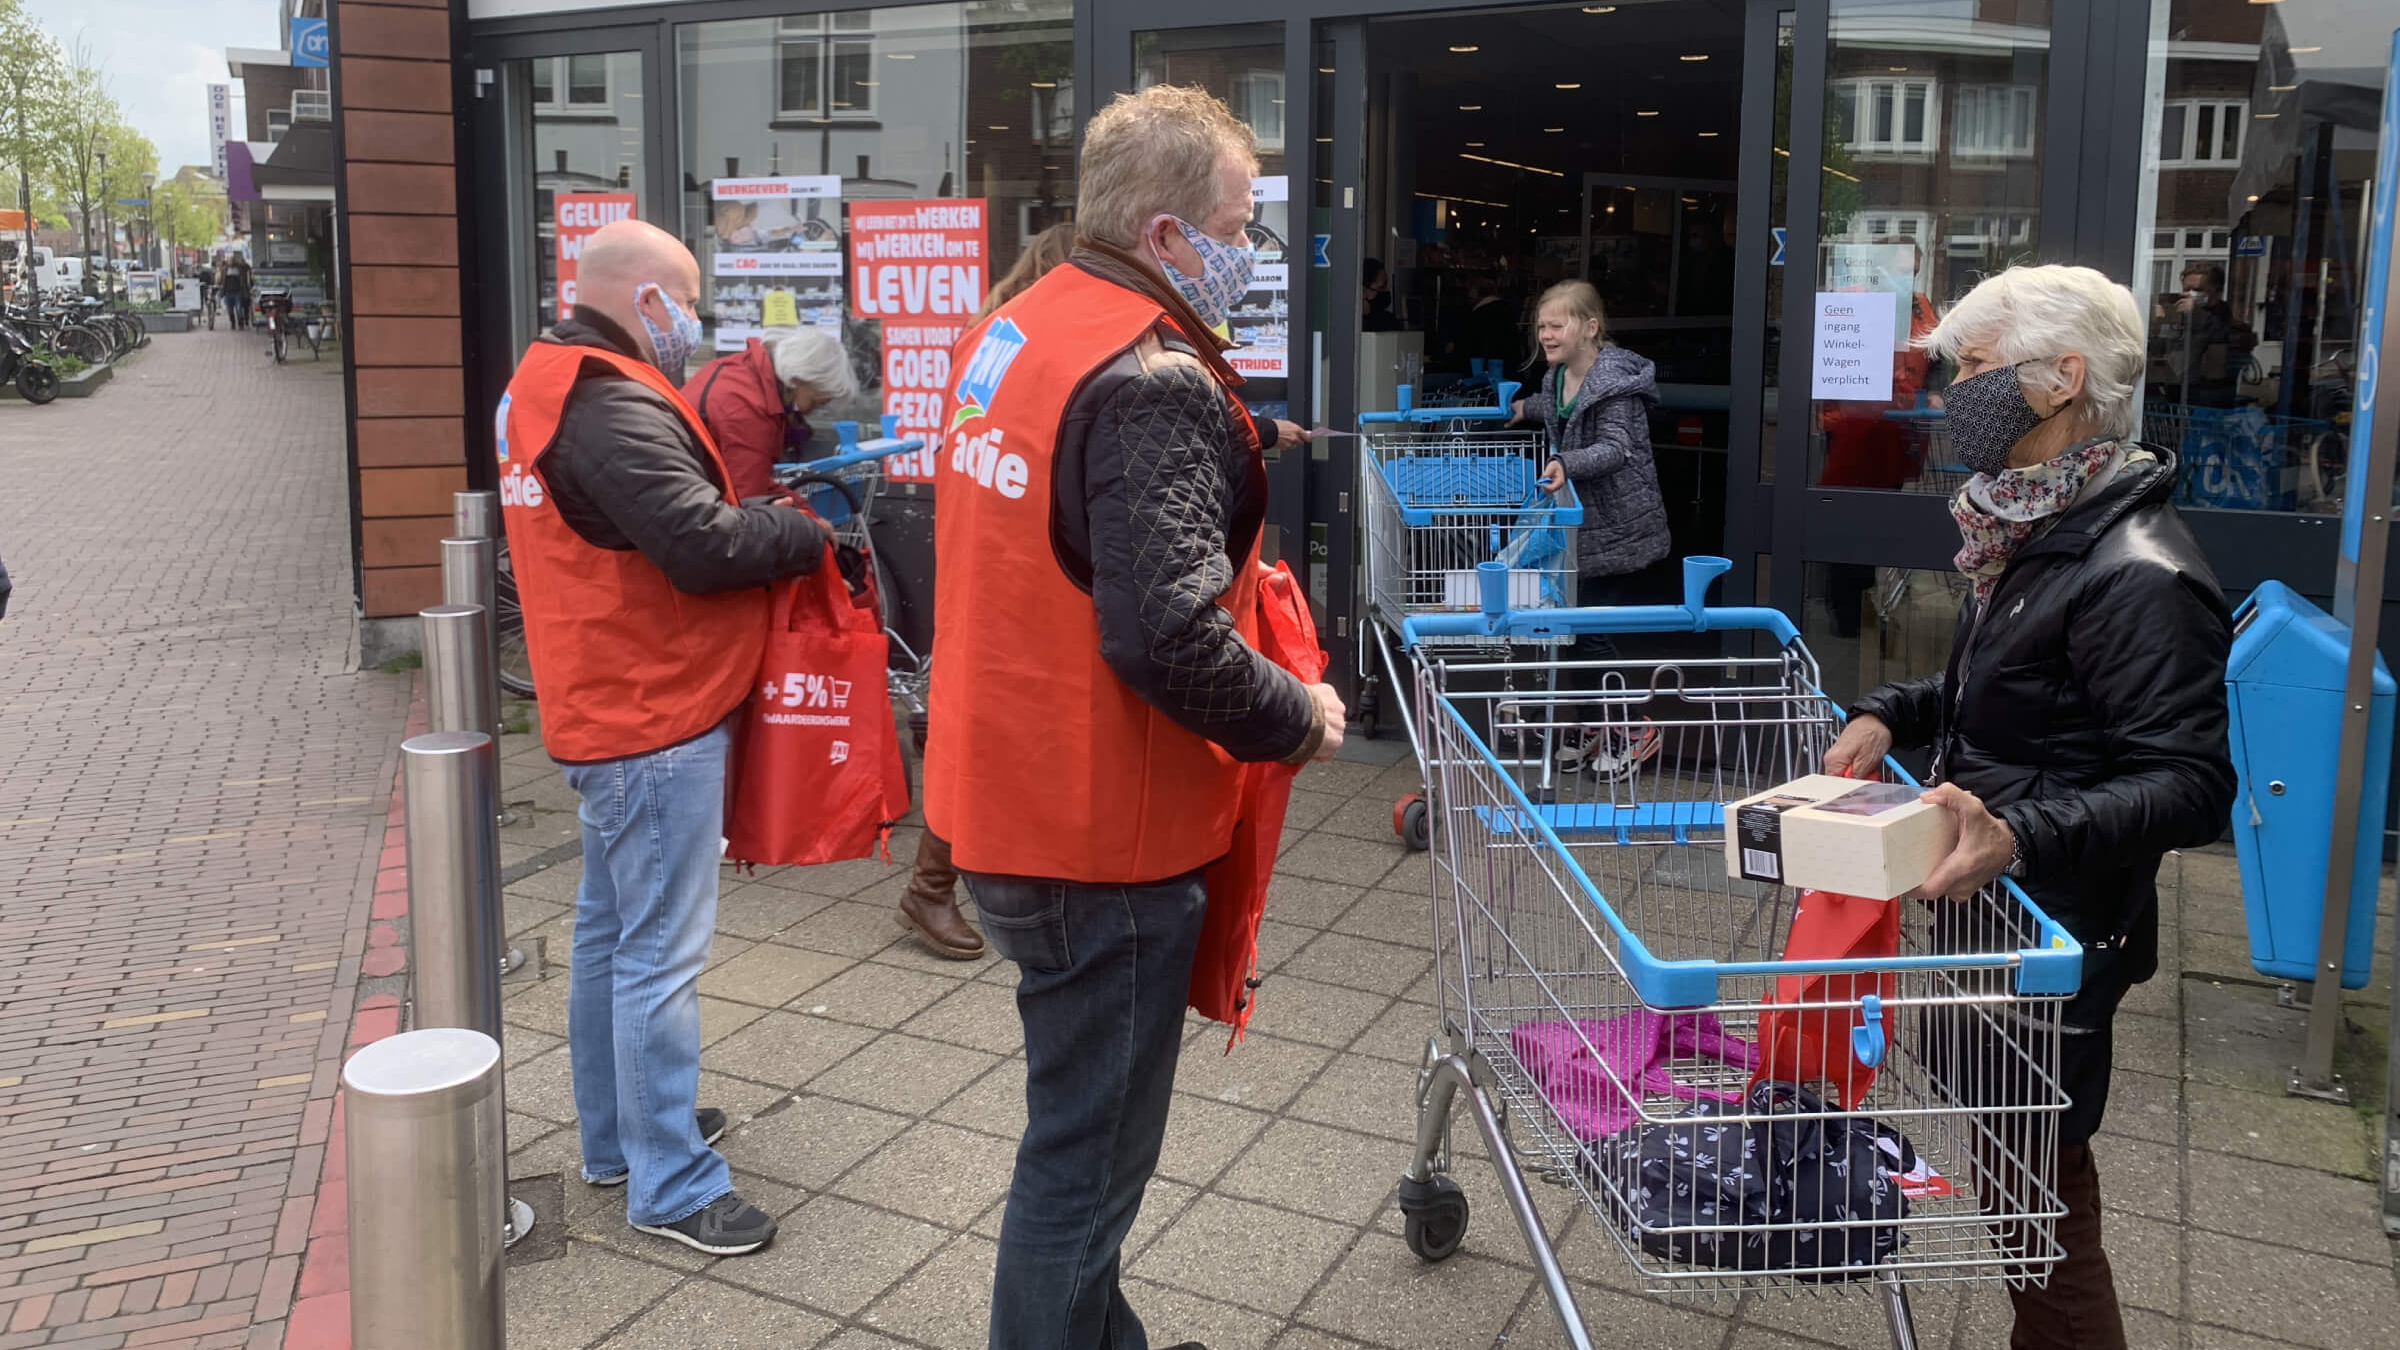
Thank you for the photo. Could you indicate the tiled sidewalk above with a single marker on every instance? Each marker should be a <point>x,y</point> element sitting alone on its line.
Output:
<point>193,783</point>
<point>879,1092</point>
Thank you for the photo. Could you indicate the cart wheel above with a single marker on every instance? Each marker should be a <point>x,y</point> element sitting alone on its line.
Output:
<point>1434,1216</point>
<point>1362,724</point>
<point>1413,822</point>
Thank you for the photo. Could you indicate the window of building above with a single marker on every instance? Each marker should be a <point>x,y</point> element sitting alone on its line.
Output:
<point>571,84</point>
<point>2173,250</point>
<point>1258,100</point>
<point>1873,225</point>
<point>1888,117</point>
<point>2201,131</point>
<point>817,55</point>
<point>1993,121</point>
<point>1053,112</point>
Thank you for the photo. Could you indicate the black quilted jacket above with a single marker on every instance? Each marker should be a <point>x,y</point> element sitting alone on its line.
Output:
<point>1157,499</point>
<point>2087,708</point>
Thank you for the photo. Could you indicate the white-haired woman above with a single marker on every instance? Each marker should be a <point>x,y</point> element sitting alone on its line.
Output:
<point>756,401</point>
<point>2078,731</point>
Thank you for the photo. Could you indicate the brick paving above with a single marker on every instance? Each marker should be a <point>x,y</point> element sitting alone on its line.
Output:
<point>193,789</point>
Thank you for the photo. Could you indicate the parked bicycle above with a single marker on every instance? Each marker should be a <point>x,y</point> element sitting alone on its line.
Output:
<point>275,310</point>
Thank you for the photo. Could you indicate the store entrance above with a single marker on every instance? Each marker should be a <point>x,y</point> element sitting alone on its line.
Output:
<point>1513,150</point>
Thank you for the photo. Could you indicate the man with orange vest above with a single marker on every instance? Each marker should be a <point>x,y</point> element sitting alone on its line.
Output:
<point>1100,498</point>
<point>643,583</point>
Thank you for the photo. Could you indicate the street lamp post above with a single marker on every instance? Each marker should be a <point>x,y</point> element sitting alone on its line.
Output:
<point>150,221</point>
<point>108,237</point>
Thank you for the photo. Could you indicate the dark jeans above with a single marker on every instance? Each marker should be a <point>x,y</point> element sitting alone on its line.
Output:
<point>2077,1309</point>
<point>1102,975</point>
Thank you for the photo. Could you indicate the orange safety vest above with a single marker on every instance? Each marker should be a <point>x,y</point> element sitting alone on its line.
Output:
<point>626,663</point>
<point>1042,763</point>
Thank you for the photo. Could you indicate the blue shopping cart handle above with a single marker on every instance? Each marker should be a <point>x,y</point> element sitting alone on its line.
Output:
<point>1503,408</point>
<point>1694,615</point>
<point>859,452</point>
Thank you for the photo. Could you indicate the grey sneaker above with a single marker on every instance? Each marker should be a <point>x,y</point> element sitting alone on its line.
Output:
<point>712,1129</point>
<point>725,1226</point>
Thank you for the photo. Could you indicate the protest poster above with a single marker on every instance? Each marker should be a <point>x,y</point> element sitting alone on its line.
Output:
<point>920,269</point>
<point>575,217</point>
<point>775,256</point>
<point>1261,325</point>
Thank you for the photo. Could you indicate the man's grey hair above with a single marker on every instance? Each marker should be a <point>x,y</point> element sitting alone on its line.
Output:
<point>2030,316</point>
<point>1158,151</point>
<point>815,358</point>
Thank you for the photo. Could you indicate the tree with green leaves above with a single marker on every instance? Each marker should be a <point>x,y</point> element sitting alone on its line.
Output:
<point>189,211</point>
<point>100,158</point>
<point>32,78</point>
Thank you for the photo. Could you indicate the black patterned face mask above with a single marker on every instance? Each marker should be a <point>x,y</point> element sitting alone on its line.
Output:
<point>1987,415</point>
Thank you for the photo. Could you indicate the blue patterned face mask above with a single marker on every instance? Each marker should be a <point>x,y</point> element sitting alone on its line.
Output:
<point>674,348</point>
<point>1225,271</point>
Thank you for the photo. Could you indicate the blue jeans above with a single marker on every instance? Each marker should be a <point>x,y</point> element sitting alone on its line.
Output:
<point>1102,974</point>
<point>644,915</point>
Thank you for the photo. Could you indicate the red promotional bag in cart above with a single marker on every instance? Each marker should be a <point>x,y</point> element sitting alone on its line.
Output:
<point>1808,1045</point>
<point>1222,970</point>
<point>816,774</point>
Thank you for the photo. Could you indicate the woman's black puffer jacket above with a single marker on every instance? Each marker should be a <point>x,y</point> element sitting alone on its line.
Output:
<point>2087,710</point>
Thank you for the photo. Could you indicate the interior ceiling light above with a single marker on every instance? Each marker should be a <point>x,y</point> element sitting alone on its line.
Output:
<point>902,56</point>
<point>995,126</point>
<point>1570,84</point>
<point>1899,70</point>
<point>1646,112</point>
<point>2303,51</point>
<point>1554,130</point>
<point>1045,84</point>
<point>1706,134</point>
<point>2281,88</point>
<point>1325,140</point>
<point>1463,49</point>
<point>1474,145</point>
<point>1437,197</point>
<point>2264,117</point>
<point>1324,70</point>
<point>2254,199</point>
<point>1470,107</point>
<point>1512,164</point>
<point>1693,56</point>
<point>1599,9</point>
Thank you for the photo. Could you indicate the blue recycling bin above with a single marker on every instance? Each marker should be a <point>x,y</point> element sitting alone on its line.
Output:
<point>2283,687</point>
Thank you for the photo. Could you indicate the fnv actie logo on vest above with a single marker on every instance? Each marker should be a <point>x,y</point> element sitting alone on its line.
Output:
<point>979,383</point>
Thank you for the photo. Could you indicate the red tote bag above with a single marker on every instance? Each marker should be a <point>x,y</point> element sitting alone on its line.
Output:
<point>816,774</point>
<point>1222,985</point>
<point>1809,1045</point>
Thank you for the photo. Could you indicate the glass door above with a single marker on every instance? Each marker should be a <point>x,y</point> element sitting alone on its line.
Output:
<point>569,125</point>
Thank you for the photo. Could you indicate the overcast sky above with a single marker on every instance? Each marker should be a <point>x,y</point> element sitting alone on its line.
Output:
<point>160,57</point>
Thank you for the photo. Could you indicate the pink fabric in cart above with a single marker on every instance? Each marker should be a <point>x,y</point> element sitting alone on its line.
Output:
<point>1637,1049</point>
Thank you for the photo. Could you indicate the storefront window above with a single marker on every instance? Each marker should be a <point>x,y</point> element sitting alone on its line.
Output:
<point>2249,261</point>
<point>1932,182</point>
<point>871,173</point>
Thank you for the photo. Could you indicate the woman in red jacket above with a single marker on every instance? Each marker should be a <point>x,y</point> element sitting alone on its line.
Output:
<point>756,402</point>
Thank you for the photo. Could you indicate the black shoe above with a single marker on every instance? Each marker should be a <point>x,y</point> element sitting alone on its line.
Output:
<point>725,1226</point>
<point>712,1129</point>
<point>1187,1345</point>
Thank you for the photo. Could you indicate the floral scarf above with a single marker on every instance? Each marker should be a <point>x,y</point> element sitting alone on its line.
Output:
<point>1997,513</point>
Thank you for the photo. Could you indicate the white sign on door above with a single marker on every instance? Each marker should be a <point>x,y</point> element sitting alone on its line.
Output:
<point>1852,353</point>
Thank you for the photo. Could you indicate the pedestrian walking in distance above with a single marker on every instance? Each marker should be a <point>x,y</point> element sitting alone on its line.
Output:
<point>1095,687</point>
<point>643,579</point>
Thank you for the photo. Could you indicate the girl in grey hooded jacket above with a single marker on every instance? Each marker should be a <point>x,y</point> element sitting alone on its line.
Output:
<point>1595,401</point>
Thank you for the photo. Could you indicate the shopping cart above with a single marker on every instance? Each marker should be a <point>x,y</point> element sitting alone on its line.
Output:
<point>843,489</point>
<point>1446,489</point>
<point>2242,458</point>
<point>1564,916</point>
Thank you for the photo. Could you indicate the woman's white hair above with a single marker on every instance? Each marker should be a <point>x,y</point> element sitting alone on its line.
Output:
<point>815,358</point>
<point>2029,316</point>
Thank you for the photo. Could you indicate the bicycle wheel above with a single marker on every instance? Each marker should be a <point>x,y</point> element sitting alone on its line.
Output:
<point>84,345</point>
<point>516,664</point>
<point>277,330</point>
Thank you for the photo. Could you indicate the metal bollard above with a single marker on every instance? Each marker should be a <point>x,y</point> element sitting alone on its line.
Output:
<point>452,778</point>
<point>426,1183</point>
<point>452,781</point>
<point>468,578</point>
<point>458,659</point>
<point>475,515</point>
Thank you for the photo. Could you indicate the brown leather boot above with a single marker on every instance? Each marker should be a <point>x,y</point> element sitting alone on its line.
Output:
<point>929,907</point>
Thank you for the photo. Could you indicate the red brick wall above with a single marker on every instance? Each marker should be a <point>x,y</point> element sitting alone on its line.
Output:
<point>400,206</point>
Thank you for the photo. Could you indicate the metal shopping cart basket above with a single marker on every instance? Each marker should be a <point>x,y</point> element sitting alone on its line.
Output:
<point>1446,489</point>
<point>844,488</point>
<point>2243,458</point>
<point>1572,923</point>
